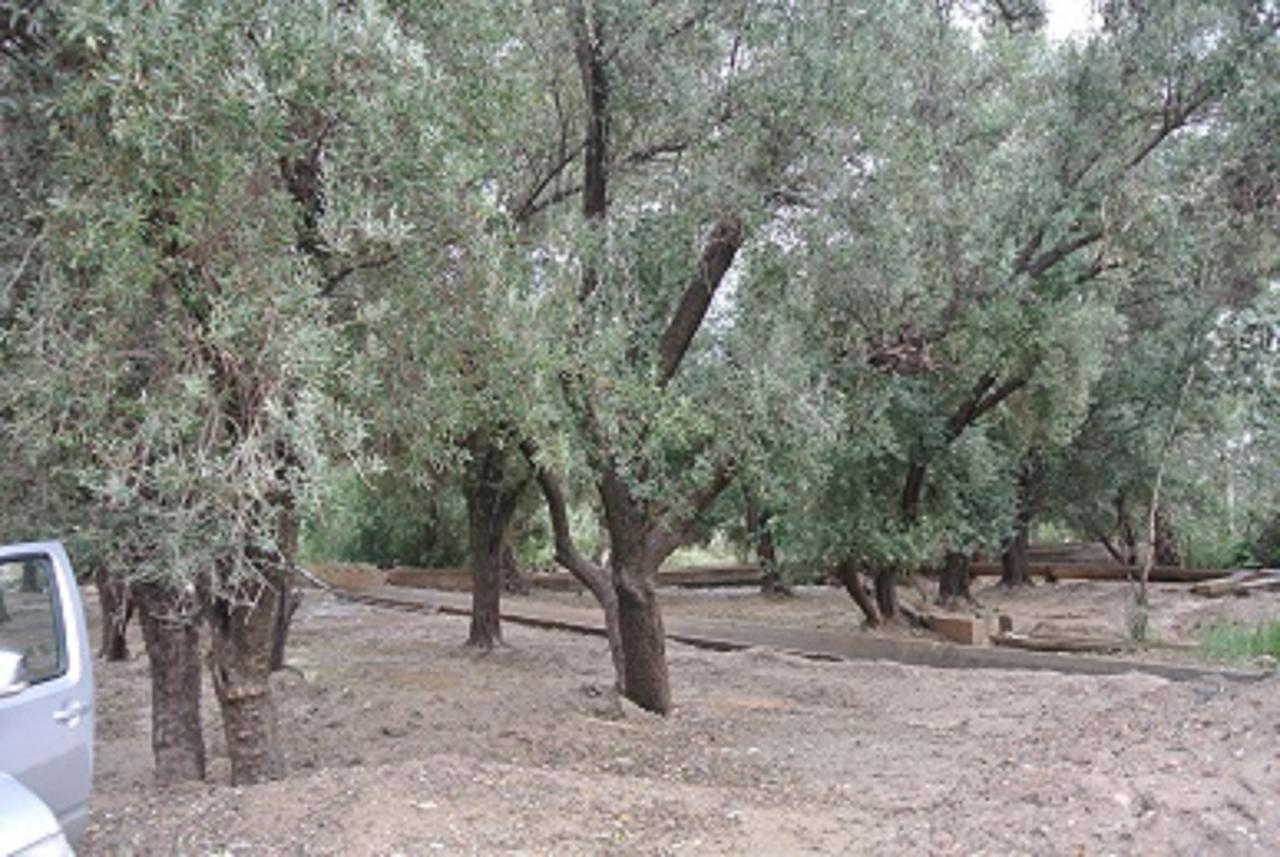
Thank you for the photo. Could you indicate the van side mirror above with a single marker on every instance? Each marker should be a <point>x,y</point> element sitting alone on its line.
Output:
<point>13,673</point>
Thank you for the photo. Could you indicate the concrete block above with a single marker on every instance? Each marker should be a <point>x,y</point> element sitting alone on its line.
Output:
<point>966,630</point>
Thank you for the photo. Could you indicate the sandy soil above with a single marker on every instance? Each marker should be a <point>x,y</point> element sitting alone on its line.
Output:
<point>400,741</point>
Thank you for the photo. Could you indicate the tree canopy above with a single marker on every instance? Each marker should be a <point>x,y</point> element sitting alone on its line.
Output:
<point>911,274</point>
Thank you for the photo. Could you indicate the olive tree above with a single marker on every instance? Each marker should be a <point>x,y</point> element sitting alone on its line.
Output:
<point>985,206</point>
<point>188,333</point>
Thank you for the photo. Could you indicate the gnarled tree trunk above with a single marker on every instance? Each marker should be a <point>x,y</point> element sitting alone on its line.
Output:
<point>1128,536</point>
<point>171,634</point>
<point>847,573</point>
<point>30,577</point>
<point>1166,539</point>
<point>242,627</point>
<point>644,648</point>
<point>1015,561</point>
<point>117,609</point>
<point>760,535</point>
<point>491,504</point>
<point>515,580</point>
<point>886,589</point>
<point>288,598</point>
<point>954,579</point>
<point>587,572</point>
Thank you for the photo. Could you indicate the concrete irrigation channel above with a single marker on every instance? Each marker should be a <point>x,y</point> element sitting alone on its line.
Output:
<point>735,635</point>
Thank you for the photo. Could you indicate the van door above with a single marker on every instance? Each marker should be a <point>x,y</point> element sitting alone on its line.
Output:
<point>46,681</point>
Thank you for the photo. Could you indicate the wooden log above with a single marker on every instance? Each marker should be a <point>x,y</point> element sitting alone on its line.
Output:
<point>1222,586</point>
<point>1039,643</point>
<point>1069,553</point>
<point>445,579</point>
<point>1240,583</point>
<point>1074,571</point>
<point>711,575</point>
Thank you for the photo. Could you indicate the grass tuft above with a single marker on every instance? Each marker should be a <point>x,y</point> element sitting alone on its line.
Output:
<point>1232,641</point>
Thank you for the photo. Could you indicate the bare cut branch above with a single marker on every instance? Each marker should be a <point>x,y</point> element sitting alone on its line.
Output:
<point>717,256</point>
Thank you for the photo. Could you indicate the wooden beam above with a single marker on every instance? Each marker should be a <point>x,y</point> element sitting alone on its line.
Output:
<point>1083,571</point>
<point>1039,643</point>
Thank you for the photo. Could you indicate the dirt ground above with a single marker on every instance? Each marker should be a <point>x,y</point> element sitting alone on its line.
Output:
<point>400,741</point>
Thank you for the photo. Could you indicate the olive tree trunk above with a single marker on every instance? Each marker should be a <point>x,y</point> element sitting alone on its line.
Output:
<point>288,600</point>
<point>644,647</point>
<point>954,579</point>
<point>886,589</point>
<point>117,609</point>
<point>30,577</point>
<point>171,634</point>
<point>242,627</point>
<point>847,573</point>
<point>491,504</point>
<point>1165,538</point>
<point>288,597</point>
<point>589,573</point>
<point>760,534</point>
<point>1015,560</point>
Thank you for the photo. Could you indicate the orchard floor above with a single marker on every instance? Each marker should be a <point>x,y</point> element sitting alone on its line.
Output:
<point>401,741</point>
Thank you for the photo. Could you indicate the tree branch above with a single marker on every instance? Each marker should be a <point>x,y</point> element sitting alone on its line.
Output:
<point>984,396</point>
<point>718,255</point>
<point>1174,118</point>
<point>666,538</point>
<point>584,570</point>
<point>1046,260</point>
<point>531,205</point>
<point>974,408</point>
<point>655,151</point>
<point>589,52</point>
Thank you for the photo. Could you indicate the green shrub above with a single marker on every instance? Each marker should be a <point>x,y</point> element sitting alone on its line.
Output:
<point>389,521</point>
<point>1266,547</point>
<point>1214,548</point>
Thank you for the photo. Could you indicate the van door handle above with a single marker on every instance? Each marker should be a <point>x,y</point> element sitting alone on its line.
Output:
<point>70,713</point>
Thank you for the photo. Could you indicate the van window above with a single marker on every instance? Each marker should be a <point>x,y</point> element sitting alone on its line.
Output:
<point>30,623</point>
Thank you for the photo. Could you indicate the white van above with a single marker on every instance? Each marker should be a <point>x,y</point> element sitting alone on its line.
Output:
<point>46,702</point>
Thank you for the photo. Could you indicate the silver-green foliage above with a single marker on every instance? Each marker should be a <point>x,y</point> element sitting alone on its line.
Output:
<point>182,352</point>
